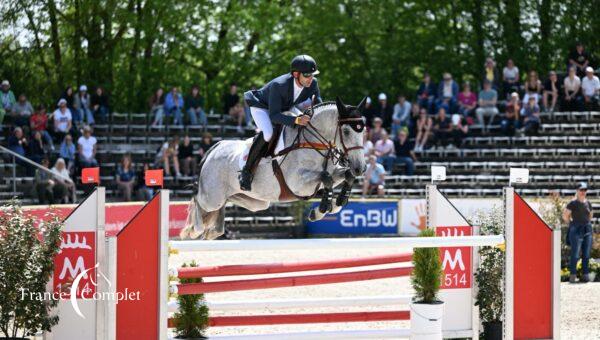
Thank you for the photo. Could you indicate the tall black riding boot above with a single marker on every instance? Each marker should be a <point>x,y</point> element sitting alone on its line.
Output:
<point>257,150</point>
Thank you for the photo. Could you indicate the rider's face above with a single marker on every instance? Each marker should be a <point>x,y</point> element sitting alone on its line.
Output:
<point>305,81</point>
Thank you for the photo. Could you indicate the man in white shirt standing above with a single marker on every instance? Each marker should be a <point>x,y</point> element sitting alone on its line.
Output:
<point>86,149</point>
<point>590,86</point>
<point>401,116</point>
<point>63,120</point>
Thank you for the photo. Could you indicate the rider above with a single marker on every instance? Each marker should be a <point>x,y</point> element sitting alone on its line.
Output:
<point>267,104</point>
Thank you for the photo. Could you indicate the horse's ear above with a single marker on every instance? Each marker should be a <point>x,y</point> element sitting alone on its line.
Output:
<point>361,106</point>
<point>341,107</point>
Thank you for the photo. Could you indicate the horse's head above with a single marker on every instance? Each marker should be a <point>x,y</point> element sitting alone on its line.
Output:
<point>351,128</point>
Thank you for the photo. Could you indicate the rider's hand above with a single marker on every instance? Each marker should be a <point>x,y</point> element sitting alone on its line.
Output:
<point>303,120</point>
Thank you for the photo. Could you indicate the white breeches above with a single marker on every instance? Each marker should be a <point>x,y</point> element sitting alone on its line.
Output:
<point>263,123</point>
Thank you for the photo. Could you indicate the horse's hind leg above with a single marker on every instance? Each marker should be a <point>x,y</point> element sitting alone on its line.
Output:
<point>215,224</point>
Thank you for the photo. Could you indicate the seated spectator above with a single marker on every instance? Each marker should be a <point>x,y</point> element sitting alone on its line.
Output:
<point>86,149</point>
<point>82,104</point>
<point>467,102</point>
<point>368,147</point>
<point>447,94</point>
<point>45,186</point>
<point>38,150</point>
<point>63,120</point>
<point>427,93</point>
<point>69,97</point>
<point>369,111</point>
<point>126,177</point>
<point>186,157</point>
<point>531,117</point>
<point>22,111</point>
<point>414,116</point>
<point>374,179</point>
<point>156,103</point>
<point>63,187</point>
<point>377,130</point>
<point>233,107</point>
<point>205,144</point>
<point>551,91</point>
<point>424,126</point>
<point>174,106</point>
<point>194,105</point>
<point>572,85</point>
<point>18,144</point>
<point>442,128</point>
<point>590,88</point>
<point>510,122</point>
<point>490,73</point>
<point>39,122</point>
<point>7,97</point>
<point>384,111</point>
<point>404,151</point>
<point>144,193</point>
<point>533,87</point>
<point>167,155</point>
<point>384,150</point>
<point>459,130</point>
<point>579,58</point>
<point>67,152</point>
<point>401,115</point>
<point>487,105</point>
<point>99,105</point>
<point>510,78</point>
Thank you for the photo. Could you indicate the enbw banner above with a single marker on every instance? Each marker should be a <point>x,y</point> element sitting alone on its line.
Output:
<point>368,217</point>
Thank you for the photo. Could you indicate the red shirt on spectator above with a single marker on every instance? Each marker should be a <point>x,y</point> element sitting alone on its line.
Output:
<point>38,121</point>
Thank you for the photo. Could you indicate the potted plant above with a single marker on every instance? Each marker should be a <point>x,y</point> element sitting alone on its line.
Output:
<point>426,310</point>
<point>26,265</point>
<point>489,276</point>
<point>191,320</point>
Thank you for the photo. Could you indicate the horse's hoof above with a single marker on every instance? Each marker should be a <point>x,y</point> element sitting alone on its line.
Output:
<point>324,207</point>
<point>312,216</point>
<point>341,201</point>
<point>336,209</point>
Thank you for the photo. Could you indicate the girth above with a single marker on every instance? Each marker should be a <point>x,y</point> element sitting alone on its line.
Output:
<point>286,194</point>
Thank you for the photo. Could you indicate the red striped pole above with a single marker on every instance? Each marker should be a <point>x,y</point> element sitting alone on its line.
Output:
<point>280,319</point>
<point>290,281</point>
<point>273,268</point>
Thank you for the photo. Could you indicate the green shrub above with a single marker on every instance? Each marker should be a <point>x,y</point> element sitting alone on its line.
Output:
<point>427,271</point>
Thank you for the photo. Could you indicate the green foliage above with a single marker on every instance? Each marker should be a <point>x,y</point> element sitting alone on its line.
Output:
<point>490,274</point>
<point>26,265</point>
<point>427,271</point>
<point>362,47</point>
<point>192,318</point>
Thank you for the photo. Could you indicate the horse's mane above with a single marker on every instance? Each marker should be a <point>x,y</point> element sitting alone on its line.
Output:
<point>322,107</point>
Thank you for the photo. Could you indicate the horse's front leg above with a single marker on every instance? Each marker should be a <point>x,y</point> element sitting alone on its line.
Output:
<point>327,204</point>
<point>344,195</point>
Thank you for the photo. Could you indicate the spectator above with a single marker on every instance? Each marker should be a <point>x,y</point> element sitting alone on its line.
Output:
<point>99,105</point>
<point>63,120</point>
<point>377,130</point>
<point>384,150</point>
<point>39,122</point>
<point>233,107</point>
<point>174,106</point>
<point>18,144</point>
<point>490,73</point>
<point>7,97</point>
<point>404,151</point>
<point>401,116</point>
<point>459,130</point>
<point>572,84</point>
<point>67,152</point>
<point>82,104</point>
<point>374,179</point>
<point>533,87</point>
<point>45,187</point>
<point>424,125</point>
<point>551,88</point>
<point>384,111</point>
<point>414,116</point>
<point>63,187</point>
<point>167,155</point>
<point>86,149</point>
<point>125,177</point>
<point>144,193</point>
<point>69,96</point>
<point>427,93</point>
<point>510,78</point>
<point>156,103</point>
<point>22,111</point>
<point>467,102</point>
<point>447,93</point>
<point>442,127</point>
<point>194,104</point>
<point>578,214</point>
<point>590,88</point>
<point>369,111</point>
<point>579,58</point>
<point>37,148</point>
<point>368,147</point>
<point>531,117</point>
<point>205,144</point>
<point>510,122</point>
<point>186,157</point>
<point>487,105</point>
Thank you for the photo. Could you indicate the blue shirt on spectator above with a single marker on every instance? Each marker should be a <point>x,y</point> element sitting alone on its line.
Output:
<point>488,95</point>
<point>14,145</point>
<point>376,173</point>
<point>125,176</point>
<point>67,151</point>
<point>170,101</point>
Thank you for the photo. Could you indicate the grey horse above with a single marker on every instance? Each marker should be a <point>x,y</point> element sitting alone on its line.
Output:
<point>326,154</point>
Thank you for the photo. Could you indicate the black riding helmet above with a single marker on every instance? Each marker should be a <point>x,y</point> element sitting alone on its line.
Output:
<point>304,64</point>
